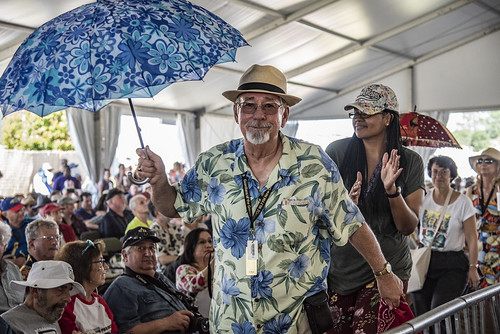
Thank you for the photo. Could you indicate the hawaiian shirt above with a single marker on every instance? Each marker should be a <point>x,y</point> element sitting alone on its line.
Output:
<point>307,209</point>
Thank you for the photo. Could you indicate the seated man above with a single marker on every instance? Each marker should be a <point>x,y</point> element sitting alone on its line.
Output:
<point>139,206</point>
<point>50,287</point>
<point>53,212</point>
<point>115,221</point>
<point>17,249</point>
<point>43,243</point>
<point>142,300</point>
<point>69,218</point>
<point>88,214</point>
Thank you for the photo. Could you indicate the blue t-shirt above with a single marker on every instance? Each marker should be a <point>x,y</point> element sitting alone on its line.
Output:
<point>84,214</point>
<point>17,244</point>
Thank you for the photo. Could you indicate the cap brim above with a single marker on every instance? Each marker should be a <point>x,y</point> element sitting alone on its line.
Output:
<point>48,284</point>
<point>134,242</point>
<point>16,207</point>
<point>232,95</point>
<point>364,110</point>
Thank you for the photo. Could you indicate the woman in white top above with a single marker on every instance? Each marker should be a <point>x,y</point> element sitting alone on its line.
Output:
<point>450,269</point>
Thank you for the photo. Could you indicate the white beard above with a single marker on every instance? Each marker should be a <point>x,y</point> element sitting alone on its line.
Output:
<point>262,136</point>
<point>258,137</point>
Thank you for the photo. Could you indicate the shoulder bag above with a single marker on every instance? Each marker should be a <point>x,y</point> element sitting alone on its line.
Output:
<point>421,257</point>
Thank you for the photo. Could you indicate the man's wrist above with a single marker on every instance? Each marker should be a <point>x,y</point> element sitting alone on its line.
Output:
<point>385,271</point>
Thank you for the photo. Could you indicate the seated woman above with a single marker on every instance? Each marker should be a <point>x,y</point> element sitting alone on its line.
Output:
<point>8,272</point>
<point>89,313</point>
<point>192,276</point>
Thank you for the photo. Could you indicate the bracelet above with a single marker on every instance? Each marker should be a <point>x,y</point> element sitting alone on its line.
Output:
<point>396,194</point>
<point>474,265</point>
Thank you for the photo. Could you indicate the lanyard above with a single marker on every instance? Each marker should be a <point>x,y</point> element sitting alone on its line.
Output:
<point>485,205</point>
<point>248,201</point>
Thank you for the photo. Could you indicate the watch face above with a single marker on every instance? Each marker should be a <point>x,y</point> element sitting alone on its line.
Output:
<point>389,268</point>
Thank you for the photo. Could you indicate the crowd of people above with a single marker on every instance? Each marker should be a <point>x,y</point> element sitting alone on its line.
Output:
<point>260,229</point>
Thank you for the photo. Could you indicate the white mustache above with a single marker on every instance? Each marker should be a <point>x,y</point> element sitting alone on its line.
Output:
<point>257,124</point>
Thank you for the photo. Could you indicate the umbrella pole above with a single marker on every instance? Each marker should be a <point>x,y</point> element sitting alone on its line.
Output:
<point>136,124</point>
<point>130,175</point>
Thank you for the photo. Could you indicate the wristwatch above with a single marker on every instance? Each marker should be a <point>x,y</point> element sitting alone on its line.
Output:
<point>396,194</point>
<point>387,270</point>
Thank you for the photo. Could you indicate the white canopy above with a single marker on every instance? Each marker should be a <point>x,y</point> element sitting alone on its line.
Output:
<point>440,55</point>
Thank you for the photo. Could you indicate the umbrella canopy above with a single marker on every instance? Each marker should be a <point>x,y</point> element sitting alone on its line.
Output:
<point>425,131</point>
<point>108,50</point>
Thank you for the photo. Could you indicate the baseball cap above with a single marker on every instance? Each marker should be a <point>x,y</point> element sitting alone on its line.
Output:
<point>29,200</point>
<point>48,275</point>
<point>41,201</point>
<point>51,207</point>
<point>374,99</point>
<point>137,235</point>
<point>11,203</point>
<point>112,193</point>
<point>66,200</point>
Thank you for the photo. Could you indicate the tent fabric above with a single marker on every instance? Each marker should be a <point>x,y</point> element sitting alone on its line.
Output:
<point>86,128</point>
<point>440,55</point>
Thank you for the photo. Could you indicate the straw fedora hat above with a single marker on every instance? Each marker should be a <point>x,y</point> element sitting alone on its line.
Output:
<point>490,152</point>
<point>262,79</point>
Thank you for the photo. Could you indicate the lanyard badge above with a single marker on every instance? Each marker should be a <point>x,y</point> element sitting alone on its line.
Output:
<point>252,244</point>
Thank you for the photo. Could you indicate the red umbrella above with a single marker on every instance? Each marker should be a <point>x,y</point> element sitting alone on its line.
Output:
<point>422,130</point>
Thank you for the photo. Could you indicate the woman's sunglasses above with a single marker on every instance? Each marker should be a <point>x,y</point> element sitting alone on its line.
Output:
<point>487,161</point>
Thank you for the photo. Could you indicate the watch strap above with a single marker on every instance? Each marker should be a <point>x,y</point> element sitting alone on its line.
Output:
<point>383,271</point>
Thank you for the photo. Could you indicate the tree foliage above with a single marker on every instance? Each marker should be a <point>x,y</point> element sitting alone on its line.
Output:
<point>479,130</point>
<point>26,131</point>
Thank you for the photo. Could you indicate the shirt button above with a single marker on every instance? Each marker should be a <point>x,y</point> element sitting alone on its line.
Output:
<point>256,300</point>
<point>259,223</point>
<point>259,326</point>
<point>260,247</point>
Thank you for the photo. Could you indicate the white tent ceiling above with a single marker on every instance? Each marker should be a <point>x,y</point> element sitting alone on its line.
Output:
<point>436,54</point>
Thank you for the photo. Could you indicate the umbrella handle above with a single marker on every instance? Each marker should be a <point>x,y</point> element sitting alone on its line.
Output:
<point>132,178</point>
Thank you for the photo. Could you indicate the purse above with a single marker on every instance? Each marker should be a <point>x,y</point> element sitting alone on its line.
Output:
<point>421,257</point>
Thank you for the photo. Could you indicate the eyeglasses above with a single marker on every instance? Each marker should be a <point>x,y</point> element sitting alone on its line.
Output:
<point>50,237</point>
<point>360,115</point>
<point>101,261</point>
<point>89,244</point>
<point>268,108</point>
<point>487,161</point>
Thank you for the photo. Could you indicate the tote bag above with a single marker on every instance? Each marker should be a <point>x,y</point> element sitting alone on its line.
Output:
<point>421,257</point>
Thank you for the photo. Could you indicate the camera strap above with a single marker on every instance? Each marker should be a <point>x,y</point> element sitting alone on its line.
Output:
<point>150,282</point>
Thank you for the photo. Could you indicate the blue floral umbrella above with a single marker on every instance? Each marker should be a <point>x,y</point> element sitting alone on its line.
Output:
<point>97,53</point>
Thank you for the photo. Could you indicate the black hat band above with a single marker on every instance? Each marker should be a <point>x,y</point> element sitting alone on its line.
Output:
<point>261,86</point>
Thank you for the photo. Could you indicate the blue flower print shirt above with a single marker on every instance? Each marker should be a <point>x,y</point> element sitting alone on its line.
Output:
<point>307,209</point>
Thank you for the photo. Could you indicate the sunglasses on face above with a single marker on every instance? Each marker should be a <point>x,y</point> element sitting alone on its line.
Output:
<point>487,161</point>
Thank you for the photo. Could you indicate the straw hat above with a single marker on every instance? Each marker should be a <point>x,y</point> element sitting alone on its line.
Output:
<point>490,152</point>
<point>262,79</point>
